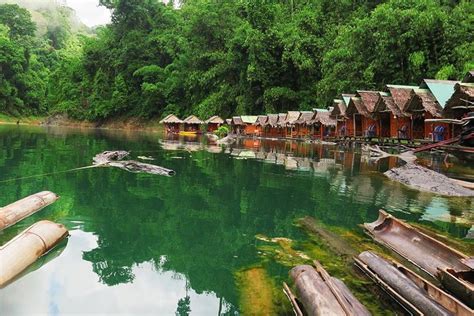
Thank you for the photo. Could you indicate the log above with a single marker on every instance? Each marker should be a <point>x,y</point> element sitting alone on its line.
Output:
<point>413,297</point>
<point>321,294</point>
<point>15,212</point>
<point>23,250</point>
<point>114,159</point>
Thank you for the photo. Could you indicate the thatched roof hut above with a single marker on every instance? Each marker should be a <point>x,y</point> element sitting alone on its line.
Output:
<point>461,101</point>
<point>171,119</point>
<point>236,120</point>
<point>422,100</point>
<point>281,119</point>
<point>400,94</point>
<point>215,120</point>
<point>305,118</point>
<point>469,77</point>
<point>386,103</point>
<point>291,118</point>
<point>369,99</point>
<point>356,106</point>
<point>272,120</point>
<point>192,119</point>
<point>324,117</point>
<point>249,119</point>
<point>339,108</point>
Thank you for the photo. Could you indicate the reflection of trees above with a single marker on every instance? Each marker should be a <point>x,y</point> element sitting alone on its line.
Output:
<point>202,222</point>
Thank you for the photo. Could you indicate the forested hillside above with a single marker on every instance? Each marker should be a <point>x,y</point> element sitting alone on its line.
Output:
<point>225,57</point>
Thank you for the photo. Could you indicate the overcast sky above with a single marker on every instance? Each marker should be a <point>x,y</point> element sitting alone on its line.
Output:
<point>89,11</point>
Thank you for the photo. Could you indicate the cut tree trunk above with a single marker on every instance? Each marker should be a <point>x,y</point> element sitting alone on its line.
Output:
<point>15,212</point>
<point>27,247</point>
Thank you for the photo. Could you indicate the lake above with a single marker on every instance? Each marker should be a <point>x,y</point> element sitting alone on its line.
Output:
<point>217,238</point>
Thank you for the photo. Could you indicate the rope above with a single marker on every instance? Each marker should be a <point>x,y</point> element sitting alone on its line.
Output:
<point>51,173</point>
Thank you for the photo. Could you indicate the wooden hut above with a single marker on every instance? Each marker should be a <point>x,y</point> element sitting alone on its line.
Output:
<point>355,113</point>
<point>260,125</point>
<point>289,123</point>
<point>213,123</point>
<point>422,106</point>
<point>369,124</point>
<point>392,121</point>
<point>339,114</point>
<point>281,123</point>
<point>237,125</point>
<point>270,126</point>
<point>401,95</point>
<point>192,124</point>
<point>461,102</point>
<point>323,124</point>
<point>303,125</point>
<point>249,124</point>
<point>171,123</point>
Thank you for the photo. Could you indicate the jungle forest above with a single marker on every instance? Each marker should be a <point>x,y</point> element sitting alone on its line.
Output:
<point>225,57</point>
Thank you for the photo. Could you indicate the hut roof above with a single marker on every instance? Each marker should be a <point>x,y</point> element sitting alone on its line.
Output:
<point>369,98</point>
<point>357,106</point>
<point>262,120</point>
<point>192,119</point>
<point>306,117</point>
<point>215,120</point>
<point>386,103</point>
<point>339,108</point>
<point>249,119</point>
<point>461,101</point>
<point>291,117</point>
<point>228,121</point>
<point>423,100</point>
<point>170,119</point>
<point>281,119</point>
<point>346,97</point>
<point>469,77</point>
<point>272,120</point>
<point>442,90</point>
<point>401,94</point>
<point>237,120</point>
<point>324,117</point>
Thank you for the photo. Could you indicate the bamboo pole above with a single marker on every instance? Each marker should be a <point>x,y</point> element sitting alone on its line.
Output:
<point>15,212</point>
<point>23,250</point>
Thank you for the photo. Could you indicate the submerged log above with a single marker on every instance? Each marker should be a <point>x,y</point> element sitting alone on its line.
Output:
<point>27,247</point>
<point>417,295</point>
<point>15,212</point>
<point>114,159</point>
<point>321,294</point>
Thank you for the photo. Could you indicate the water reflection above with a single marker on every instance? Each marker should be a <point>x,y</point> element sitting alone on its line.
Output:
<point>141,243</point>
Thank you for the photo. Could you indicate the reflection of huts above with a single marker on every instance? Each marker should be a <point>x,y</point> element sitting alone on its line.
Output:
<point>237,125</point>
<point>304,123</point>
<point>338,113</point>
<point>171,123</point>
<point>422,105</point>
<point>461,102</point>
<point>192,124</point>
<point>213,123</point>
<point>401,95</point>
<point>323,124</point>
<point>260,125</point>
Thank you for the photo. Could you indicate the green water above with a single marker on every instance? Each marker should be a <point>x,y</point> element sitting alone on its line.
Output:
<point>143,244</point>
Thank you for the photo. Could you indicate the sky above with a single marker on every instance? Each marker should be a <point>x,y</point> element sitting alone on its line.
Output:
<point>89,12</point>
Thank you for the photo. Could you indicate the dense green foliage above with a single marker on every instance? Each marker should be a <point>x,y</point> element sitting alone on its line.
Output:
<point>234,57</point>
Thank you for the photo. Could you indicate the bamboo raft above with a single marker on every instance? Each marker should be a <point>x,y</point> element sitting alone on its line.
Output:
<point>415,294</point>
<point>23,250</point>
<point>453,268</point>
<point>15,212</point>
<point>321,294</point>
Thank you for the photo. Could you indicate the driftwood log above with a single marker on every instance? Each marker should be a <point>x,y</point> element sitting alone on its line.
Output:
<point>15,212</point>
<point>114,159</point>
<point>321,294</point>
<point>27,247</point>
<point>413,297</point>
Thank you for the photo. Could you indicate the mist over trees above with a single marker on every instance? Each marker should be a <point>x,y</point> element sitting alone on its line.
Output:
<point>229,57</point>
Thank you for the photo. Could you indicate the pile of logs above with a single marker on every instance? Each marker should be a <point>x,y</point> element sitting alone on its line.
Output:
<point>24,249</point>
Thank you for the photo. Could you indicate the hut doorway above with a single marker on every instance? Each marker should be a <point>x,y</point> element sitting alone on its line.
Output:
<point>385,124</point>
<point>358,125</point>
<point>418,127</point>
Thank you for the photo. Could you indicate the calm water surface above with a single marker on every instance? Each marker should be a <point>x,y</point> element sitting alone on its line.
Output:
<point>143,244</point>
